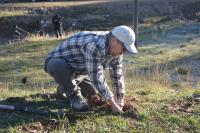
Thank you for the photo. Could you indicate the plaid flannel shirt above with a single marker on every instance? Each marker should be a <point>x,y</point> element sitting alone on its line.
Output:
<point>87,52</point>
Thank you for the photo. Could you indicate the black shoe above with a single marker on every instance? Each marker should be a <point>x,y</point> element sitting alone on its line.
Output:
<point>78,102</point>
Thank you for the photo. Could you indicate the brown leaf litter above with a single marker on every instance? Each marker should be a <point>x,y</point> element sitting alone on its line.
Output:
<point>184,105</point>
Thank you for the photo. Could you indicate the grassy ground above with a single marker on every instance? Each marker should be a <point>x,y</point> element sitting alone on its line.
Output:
<point>163,104</point>
<point>162,81</point>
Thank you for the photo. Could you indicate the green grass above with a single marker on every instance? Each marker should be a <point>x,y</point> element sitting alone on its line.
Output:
<point>145,81</point>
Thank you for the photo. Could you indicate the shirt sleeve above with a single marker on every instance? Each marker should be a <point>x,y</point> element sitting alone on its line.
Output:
<point>117,77</point>
<point>95,70</point>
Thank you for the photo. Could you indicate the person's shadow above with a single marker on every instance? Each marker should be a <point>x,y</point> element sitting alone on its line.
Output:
<point>38,108</point>
<point>29,109</point>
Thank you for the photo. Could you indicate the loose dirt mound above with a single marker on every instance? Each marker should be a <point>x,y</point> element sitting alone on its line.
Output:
<point>129,109</point>
<point>43,126</point>
<point>184,105</point>
<point>95,100</point>
<point>33,127</point>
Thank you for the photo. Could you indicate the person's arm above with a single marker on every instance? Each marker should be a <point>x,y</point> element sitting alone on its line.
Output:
<point>95,72</point>
<point>114,106</point>
<point>117,77</point>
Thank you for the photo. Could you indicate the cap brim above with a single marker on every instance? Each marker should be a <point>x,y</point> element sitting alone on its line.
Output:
<point>131,48</point>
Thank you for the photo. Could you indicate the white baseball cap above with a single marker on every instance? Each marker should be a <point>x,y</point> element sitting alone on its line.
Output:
<point>127,36</point>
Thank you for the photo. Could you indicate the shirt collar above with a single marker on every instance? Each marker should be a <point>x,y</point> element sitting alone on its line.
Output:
<point>107,43</point>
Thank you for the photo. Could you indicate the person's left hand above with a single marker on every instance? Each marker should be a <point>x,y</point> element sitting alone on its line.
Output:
<point>119,102</point>
<point>114,107</point>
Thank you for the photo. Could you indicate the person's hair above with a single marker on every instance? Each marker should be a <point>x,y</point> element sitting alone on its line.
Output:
<point>109,35</point>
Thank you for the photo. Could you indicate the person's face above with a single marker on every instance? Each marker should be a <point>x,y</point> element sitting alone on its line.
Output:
<point>116,48</point>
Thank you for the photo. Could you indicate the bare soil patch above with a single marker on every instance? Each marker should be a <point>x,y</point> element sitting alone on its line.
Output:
<point>184,105</point>
<point>33,127</point>
<point>130,108</point>
<point>43,126</point>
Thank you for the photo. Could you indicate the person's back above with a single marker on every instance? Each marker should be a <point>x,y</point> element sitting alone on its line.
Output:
<point>75,48</point>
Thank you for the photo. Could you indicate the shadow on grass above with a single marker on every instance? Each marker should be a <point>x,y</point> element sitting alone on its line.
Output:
<point>42,108</point>
<point>22,113</point>
<point>37,111</point>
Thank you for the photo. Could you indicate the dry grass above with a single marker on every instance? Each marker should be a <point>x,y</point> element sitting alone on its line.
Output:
<point>50,5</point>
<point>38,37</point>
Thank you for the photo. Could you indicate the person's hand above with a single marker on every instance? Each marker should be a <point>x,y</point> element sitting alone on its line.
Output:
<point>119,102</point>
<point>115,108</point>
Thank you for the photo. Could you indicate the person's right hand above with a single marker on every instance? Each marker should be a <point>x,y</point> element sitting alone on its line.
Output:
<point>115,108</point>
